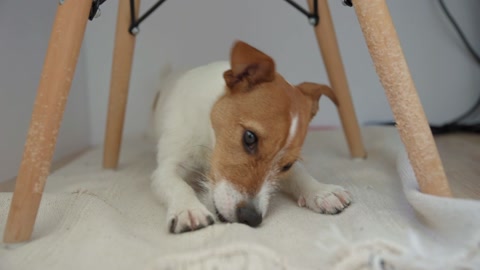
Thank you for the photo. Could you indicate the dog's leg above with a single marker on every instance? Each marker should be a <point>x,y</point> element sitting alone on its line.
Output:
<point>319,197</point>
<point>184,211</point>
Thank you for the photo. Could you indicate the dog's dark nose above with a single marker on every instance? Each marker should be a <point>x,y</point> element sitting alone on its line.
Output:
<point>249,215</point>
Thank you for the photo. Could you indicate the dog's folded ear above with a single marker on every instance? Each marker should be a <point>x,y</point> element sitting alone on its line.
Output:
<point>314,91</point>
<point>249,67</point>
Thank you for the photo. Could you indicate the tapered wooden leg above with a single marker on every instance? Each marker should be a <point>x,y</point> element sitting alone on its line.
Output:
<point>392,68</point>
<point>56,79</point>
<point>119,83</point>
<point>327,41</point>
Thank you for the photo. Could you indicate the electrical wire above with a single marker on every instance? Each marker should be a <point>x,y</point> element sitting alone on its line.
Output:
<point>459,31</point>
<point>455,125</point>
<point>474,54</point>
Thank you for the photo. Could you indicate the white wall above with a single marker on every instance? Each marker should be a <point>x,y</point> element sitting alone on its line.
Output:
<point>196,32</point>
<point>24,33</point>
<point>190,33</point>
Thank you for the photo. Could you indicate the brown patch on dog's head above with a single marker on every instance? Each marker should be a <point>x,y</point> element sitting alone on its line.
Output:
<point>260,123</point>
<point>249,67</point>
<point>314,91</point>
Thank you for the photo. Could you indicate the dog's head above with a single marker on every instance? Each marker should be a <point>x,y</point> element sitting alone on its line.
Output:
<point>260,125</point>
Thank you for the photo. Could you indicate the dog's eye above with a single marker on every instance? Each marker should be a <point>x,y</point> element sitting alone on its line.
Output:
<point>287,167</point>
<point>249,141</point>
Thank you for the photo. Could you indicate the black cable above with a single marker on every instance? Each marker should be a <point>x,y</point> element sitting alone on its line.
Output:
<point>470,50</point>
<point>459,31</point>
<point>445,129</point>
<point>455,125</point>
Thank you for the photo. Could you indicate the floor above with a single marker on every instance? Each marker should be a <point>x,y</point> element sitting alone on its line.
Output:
<point>460,154</point>
<point>88,211</point>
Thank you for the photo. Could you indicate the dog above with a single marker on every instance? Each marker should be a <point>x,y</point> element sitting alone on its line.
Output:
<point>229,135</point>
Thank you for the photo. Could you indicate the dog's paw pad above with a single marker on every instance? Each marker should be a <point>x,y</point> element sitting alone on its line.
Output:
<point>190,220</point>
<point>329,199</point>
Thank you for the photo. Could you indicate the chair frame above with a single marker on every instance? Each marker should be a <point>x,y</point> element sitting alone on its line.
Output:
<point>59,68</point>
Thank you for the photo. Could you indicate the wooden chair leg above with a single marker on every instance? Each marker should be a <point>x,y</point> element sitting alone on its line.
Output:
<point>392,68</point>
<point>119,83</point>
<point>327,42</point>
<point>57,75</point>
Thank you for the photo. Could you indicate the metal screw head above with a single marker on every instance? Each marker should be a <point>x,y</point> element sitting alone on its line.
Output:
<point>98,13</point>
<point>312,21</point>
<point>135,30</point>
<point>60,2</point>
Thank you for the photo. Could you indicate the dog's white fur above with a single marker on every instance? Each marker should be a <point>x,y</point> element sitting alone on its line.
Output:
<point>185,139</point>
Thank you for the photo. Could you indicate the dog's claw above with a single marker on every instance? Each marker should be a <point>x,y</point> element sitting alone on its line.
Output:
<point>330,199</point>
<point>173,224</point>
<point>210,220</point>
<point>190,220</point>
<point>301,201</point>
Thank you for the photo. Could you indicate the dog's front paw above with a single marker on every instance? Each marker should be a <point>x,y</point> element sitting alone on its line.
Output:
<point>189,220</point>
<point>327,199</point>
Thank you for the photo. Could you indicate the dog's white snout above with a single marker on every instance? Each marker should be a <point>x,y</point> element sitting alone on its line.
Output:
<point>226,199</point>
<point>235,206</point>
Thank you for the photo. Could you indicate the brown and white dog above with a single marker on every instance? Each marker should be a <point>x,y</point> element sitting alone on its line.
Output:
<point>229,135</point>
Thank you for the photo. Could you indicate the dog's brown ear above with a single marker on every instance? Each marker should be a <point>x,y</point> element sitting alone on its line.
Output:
<point>314,91</point>
<point>249,67</point>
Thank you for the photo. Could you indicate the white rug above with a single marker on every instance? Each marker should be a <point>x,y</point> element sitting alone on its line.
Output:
<point>97,219</point>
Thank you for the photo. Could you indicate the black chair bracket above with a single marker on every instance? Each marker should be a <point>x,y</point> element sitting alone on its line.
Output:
<point>313,17</point>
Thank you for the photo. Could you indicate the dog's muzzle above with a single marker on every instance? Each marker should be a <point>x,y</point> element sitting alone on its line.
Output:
<point>249,215</point>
